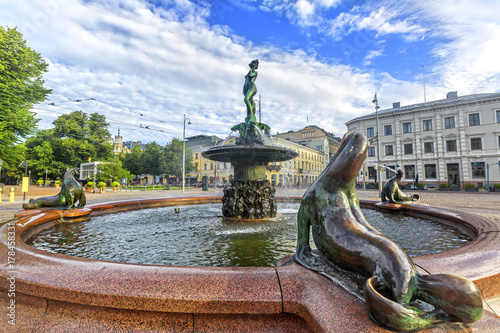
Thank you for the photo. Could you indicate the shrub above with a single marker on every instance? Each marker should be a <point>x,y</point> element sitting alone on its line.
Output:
<point>39,181</point>
<point>422,185</point>
<point>375,184</point>
<point>444,185</point>
<point>115,184</point>
<point>470,185</point>
<point>57,182</point>
<point>496,186</point>
<point>101,184</point>
<point>90,184</point>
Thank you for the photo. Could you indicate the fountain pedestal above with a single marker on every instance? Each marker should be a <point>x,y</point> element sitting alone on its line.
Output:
<point>250,196</point>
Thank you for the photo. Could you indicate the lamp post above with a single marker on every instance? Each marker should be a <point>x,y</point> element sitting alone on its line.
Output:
<point>184,151</point>
<point>375,101</point>
<point>488,174</point>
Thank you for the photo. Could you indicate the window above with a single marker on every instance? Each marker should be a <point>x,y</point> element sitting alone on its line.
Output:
<point>409,172</point>
<point>428,147</point>
<point>369,132</point>
<point>475,144</point>
<point>406,127</point>
<point>477,169</point>
<point>372,174</point>
<point>474,119</point>
<point>408,148</point>
<point>388,150</point>
<point>430,171</point>
<point>196,156</point>
<point>449,122</point>
<point>388,171</point>
<point>451,145</point>
<point>427,125</point>
<point>387,129</point>
<point>498,116</point>
<point>371,151</point>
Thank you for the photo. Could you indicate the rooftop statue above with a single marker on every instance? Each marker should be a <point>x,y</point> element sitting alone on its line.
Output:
<point>71,193</point>
<point>392,193</point>
<point>395,293</point>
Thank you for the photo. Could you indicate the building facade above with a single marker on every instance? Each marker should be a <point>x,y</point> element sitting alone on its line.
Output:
<point>314,137</point>
<point>454,140</point>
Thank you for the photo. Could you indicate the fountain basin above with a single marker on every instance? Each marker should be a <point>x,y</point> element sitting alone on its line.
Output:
<point>57,292</point>
<point>198,236</point>
<point>255,154</point>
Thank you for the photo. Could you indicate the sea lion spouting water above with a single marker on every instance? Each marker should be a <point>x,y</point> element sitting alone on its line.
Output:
<point>395,293</point>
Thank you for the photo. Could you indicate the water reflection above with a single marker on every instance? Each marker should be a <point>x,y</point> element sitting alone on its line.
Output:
<point>198,237</point>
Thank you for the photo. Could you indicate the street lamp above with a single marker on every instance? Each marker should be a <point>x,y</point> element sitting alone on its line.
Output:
<point>375,101</point>
<point>488,174</point>
<point>184,151</point>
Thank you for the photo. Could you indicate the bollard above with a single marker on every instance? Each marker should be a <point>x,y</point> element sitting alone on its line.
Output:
<point>12,189</point>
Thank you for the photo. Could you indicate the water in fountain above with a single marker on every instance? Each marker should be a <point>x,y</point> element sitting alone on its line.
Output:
<point>198,237</point>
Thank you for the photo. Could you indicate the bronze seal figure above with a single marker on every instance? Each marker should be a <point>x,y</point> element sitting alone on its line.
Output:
<point>395,293</point>
<point>391,192</point>
<point>71,193</point>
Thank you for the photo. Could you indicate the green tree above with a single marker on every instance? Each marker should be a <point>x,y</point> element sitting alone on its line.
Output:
<point>42,158</point>
<point>133,161</point>
<point>113,170</point>
<point>172,159</point>
<point>21,86</point>
<point>151,159</point>
<point>75,137</point>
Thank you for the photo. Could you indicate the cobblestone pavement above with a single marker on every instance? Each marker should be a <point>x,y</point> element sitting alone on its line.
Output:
<point>484,204</point>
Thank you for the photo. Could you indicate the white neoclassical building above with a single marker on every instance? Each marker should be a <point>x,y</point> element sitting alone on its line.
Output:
<point>454,140</point>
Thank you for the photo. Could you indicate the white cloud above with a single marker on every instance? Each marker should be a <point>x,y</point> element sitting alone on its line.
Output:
<point>169,62</point>
<point>163,63</point>
<point>372,55</point>
<point>470,43</point>
<point>381,20</point>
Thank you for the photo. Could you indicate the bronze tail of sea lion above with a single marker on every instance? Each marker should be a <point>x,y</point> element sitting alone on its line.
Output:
<point>395,293</point>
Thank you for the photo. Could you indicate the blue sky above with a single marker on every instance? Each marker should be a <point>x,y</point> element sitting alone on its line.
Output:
<point>147,63</point>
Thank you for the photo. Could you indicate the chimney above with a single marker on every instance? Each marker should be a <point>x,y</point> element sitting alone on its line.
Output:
<point>396,105</point>
<point>451,94</point>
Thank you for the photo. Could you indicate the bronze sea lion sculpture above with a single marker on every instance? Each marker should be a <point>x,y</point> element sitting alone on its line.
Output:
<point>396,295</point>
<point>71,193</point>
<point>391,192</point>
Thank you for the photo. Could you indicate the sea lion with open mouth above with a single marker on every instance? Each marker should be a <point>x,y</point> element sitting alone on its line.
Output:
<point>395,293</point>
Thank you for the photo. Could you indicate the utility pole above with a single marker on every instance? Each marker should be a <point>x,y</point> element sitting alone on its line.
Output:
<point>375,101</point>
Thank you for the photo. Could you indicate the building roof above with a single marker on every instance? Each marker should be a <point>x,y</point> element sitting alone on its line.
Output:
<point>452,99</point>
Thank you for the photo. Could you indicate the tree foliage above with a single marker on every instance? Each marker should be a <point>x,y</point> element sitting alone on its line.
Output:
<point>151,159</point>
<point>172,159</point>
<point>21,86</point>
<point>75,138</point>
<point>133,161</point>
<point>113,170</point>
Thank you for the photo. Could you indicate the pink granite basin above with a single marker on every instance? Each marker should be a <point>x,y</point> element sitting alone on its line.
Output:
<point>55,293</point>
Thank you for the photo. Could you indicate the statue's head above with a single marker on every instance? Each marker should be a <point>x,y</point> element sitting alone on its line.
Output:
<point>400,174</point>
<point>254,64</point>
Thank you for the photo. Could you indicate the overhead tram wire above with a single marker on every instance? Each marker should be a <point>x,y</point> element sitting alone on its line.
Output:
<point>129,110</point>
<point>133,126</point>
<point>94,99</point>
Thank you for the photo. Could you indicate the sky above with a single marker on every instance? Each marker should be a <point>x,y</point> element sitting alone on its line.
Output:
<point>146,64</point>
